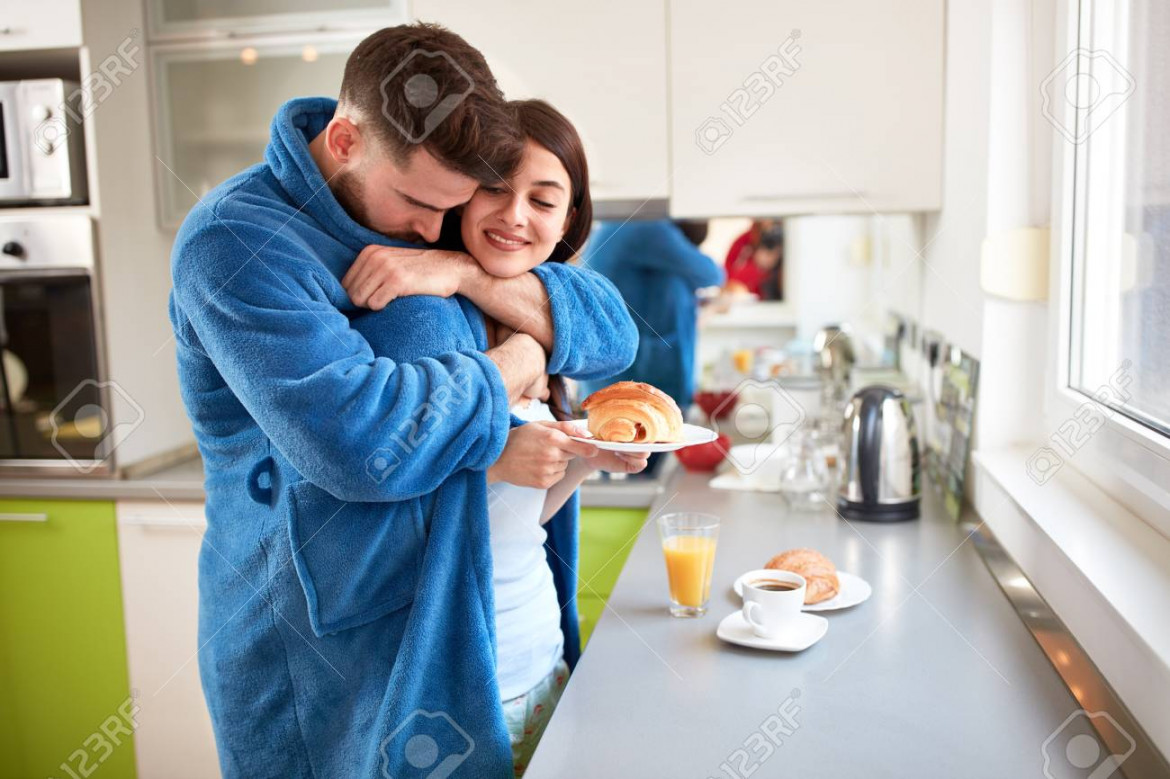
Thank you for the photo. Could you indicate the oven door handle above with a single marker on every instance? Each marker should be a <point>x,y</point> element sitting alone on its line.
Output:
<point>15,517</point>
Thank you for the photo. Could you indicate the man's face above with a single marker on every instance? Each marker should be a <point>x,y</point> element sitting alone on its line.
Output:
<point>404,201</point>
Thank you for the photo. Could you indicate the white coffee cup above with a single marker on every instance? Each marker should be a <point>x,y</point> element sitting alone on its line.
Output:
<point>770,610</point>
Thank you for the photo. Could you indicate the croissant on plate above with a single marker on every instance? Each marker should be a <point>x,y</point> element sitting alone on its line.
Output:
<point>818,571</point>
<point>634,413</point>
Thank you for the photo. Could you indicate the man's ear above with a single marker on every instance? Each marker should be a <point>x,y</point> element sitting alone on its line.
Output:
<point>344,140</point>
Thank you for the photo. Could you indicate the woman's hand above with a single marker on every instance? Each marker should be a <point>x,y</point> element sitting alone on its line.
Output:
<point>382,273</point>
<point>537,455</point>
<point>618,462</point>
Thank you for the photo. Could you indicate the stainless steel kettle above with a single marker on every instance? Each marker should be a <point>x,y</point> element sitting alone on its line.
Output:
<point>833,348</point>
<point>881,479</point>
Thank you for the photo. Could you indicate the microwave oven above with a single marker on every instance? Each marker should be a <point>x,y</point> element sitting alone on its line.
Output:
<point>42,145</point>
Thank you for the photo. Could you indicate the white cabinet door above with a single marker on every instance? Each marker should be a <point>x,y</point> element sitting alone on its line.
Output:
<point>39,24</point>
<point>602,64</point>
<point>158,544</point>
<point>214,105</point>
<point>791,106</point>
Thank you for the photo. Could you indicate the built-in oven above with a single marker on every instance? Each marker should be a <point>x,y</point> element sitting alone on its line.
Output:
<point>55,407</point>
<point>42,145</point>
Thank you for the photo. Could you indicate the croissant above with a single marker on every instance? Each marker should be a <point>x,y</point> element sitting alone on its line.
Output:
<point>817,570</point>
<point>635,413</point>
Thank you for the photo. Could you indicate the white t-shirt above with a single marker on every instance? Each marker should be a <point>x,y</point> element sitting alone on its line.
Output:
<point>528,617</point>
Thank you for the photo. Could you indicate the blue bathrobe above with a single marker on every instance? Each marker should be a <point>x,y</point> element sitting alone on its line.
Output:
<point>346,615</point>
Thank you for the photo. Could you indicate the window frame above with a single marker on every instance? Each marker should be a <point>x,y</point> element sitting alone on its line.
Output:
<point>1126,458</point>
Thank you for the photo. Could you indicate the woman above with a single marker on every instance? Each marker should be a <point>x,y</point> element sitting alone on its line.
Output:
<point>753,261</point>
<point>542,214</point>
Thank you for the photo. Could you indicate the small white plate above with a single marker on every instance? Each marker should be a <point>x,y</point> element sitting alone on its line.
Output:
<point>854,590</point>
<point>692,435</point>
<point>805,632</point>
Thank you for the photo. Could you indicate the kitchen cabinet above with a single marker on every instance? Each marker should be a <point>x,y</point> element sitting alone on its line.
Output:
<point>66,706</point>
<point>833,106</point>
<point>218,18</point>
<point>602,64</point>
<point>214,103</point>
<point>159,547</point>
<point>606,536</point>
<point>44,24</point>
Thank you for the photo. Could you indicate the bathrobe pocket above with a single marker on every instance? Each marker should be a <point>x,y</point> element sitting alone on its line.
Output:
<point>356,561</point>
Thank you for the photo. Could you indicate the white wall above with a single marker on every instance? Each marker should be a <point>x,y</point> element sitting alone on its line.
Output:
<point>951,297</point>
<point>134,255</point>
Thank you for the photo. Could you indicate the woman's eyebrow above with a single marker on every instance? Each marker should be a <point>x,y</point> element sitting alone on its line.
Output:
<point>549,183</point>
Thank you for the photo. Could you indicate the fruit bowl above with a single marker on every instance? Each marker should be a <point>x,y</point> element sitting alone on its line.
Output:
<point>711,402</point>
<point>704,458</point>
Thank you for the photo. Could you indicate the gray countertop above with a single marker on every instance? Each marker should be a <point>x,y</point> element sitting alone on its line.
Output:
<point>934,676</point>
<point>185,482</point>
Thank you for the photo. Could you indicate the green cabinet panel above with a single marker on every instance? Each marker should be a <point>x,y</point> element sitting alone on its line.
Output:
<point>65,706</point>
<point>607,535</point>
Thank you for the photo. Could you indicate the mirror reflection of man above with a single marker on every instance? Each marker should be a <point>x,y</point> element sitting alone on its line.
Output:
<point>658,267</point>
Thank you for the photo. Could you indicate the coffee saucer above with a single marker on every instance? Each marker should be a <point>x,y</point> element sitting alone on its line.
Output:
<point>805,631</point>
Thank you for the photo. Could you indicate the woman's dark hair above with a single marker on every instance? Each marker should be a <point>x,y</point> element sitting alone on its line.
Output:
<point>548,127</point>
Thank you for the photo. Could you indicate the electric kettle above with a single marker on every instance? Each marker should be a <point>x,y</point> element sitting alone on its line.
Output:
<point>881,479</point>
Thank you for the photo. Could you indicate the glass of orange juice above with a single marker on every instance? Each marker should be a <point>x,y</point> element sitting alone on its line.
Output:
<point>688,542</point>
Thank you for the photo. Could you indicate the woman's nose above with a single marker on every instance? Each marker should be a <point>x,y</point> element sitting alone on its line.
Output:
<point>514,213</point>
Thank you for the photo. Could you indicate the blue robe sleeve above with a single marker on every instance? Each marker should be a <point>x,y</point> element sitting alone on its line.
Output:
<point>360,427</point>
<point>669,251</point>
<point>594,336</point>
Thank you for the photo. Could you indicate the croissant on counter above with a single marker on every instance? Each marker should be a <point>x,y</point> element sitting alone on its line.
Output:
<point>818,571</point>
<point>634,413</point>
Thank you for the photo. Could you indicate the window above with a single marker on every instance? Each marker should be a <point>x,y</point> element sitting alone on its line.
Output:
<point>1117,118</point>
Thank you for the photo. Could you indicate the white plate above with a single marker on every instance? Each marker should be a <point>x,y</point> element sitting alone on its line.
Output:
<point>854,590</point>
<point>692,435</point>
<point>808,630</point>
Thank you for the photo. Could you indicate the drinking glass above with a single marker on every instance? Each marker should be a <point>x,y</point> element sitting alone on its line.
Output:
<point>688,544</point>
<point>805,479</point>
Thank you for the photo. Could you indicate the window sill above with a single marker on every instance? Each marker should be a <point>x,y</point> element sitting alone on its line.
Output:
<point>1104,571</point>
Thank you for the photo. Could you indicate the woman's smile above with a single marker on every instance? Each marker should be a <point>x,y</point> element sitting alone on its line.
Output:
<point>505,242</point>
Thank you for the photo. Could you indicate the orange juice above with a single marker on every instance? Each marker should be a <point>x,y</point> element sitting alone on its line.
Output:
<point>689,563</point>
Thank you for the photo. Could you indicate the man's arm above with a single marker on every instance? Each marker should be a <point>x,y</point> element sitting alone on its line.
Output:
<point>577,315</point>
<point>361,427</point>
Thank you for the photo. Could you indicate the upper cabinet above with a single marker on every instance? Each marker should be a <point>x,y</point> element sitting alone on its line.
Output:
<point>170,19</point>
<point>602,64</point>
<point>812,107</point>
<point>43,24</point>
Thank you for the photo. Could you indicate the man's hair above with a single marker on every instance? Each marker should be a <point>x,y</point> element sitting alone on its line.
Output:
<point>421,85</point>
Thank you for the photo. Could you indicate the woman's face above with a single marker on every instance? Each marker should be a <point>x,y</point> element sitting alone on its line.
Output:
<point>514,226</point>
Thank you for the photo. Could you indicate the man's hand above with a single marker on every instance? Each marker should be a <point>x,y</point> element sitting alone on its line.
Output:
<point>382,273</point>
<point>522,363</point>
<point>537,455</point>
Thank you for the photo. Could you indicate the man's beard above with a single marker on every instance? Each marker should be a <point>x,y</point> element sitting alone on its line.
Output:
<point>346,187</point>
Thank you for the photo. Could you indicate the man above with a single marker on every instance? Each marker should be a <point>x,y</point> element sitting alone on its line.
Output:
<point>657,266</point>
<point>345,579</point>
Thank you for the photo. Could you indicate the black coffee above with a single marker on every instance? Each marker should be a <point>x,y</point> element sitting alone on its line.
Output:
<point>775,586</point>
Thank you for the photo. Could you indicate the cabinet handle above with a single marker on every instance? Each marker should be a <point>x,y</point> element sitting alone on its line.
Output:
<point>10,517</point>
<point>163,523</point>
<point>809,196</point>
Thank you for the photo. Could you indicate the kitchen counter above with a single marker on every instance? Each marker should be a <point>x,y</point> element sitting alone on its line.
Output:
<point>184,482</point>
<point>935,675</point>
